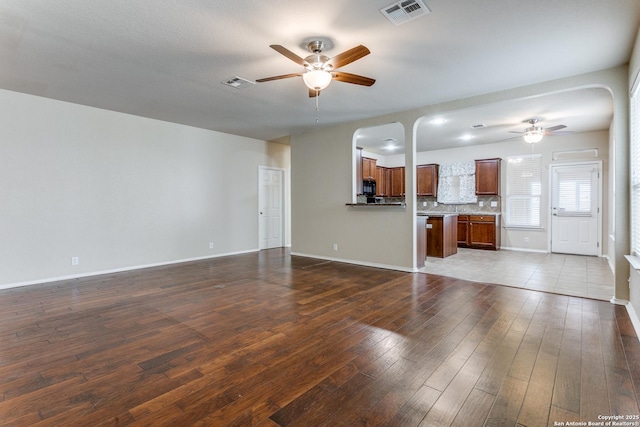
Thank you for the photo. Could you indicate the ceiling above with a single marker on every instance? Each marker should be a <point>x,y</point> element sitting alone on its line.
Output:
<point>580,110</point>
<point>166,59</point>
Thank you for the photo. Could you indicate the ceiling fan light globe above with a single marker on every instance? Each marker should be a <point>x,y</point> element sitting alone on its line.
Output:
<point>317,79</point>
<point>533,134</point>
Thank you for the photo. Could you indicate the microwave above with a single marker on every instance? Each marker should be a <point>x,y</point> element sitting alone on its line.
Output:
<point>369,187</point>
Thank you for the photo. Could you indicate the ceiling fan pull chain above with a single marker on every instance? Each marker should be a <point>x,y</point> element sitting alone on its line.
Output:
<point>317,106</point>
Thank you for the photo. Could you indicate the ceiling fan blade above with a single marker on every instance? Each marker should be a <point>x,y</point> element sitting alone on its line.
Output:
<point>313,93</point>
<point>348,56</point>
<point>509,139</point>
<point>562,132</point>
<point>352,78</point>
<point>515,131</point>
<point>286,52</point>
<point>554,128</point>
<point>284,76</point>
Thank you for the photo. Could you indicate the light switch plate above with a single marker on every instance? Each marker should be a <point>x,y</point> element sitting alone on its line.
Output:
<point>494,204</point>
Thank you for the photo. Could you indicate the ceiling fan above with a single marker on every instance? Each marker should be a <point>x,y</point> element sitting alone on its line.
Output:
<point>535,133</point>
<point>320,70</point>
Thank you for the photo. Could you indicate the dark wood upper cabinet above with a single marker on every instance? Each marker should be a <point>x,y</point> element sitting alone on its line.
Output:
<point>382,181</point>
<point>369,168</point>
<point>488,177</point>
<point>427,180</point>
<point>397,182</point>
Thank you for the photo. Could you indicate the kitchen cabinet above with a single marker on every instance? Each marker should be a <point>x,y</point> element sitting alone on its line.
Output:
<point>463,230</point>
<point>442,235</point>
<point>382,181</point>
<point>427,180</point>
<point>421,240</point>
<point>488,177</point>
<point>479,231</point>
<point>397,182</point>
<point>369,169</point>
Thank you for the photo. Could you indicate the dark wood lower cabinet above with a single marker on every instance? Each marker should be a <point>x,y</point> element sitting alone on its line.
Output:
<point>479,231</point>
<point>442,236</point>
<point>421,240</point>
<point>463,230</point>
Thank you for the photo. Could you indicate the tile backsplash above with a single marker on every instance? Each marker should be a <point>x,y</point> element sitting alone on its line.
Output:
<point>482,206</point>
<point>485,201</point>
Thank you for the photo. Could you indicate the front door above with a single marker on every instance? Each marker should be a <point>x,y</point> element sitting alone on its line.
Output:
<point>271,200</point>
<point>575,210</point>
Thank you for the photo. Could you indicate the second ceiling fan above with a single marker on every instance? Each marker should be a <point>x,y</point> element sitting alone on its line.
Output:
<point>534,133</point>
<point>320,70</point>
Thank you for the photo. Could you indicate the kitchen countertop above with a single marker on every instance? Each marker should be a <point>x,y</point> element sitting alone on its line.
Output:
<point>480,213</point>
<point>401,205</point>
<point>437,214</point>
<point>443,214</point>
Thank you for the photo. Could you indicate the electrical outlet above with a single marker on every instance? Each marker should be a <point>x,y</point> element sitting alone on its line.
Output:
<point>526,240</point>
<point>75,260</point>
<point>210,245</point>
<point>494,204</point>
<point>481,203</point>
<point>335,246</point>
<point>424,203</point>
<point>435,204</point>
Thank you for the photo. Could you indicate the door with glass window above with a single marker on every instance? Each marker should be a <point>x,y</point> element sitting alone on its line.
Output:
<point>575,210</point>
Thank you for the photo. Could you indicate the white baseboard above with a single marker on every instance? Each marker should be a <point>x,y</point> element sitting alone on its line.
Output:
<point>120,270</point>
<point>633,316</point>
<point>363,263</point>
<point>618,301</point>
<point>634,319</point>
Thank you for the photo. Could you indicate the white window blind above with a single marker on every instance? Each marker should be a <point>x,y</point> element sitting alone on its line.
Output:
<point>634,149</point>
<point>573,191</point>
<point>524,188</point>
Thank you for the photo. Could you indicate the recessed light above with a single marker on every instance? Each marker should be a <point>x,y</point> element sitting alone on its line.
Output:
<point>466,137</point>
<point>390,144</point>
<point>438,121</point>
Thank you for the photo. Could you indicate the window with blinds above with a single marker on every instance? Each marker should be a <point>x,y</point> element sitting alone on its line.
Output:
<point>524,188</point>
<point>634,148</point>
<point>573,190</point>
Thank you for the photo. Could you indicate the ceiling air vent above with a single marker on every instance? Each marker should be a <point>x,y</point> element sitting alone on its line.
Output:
<point>404,11</point>
<point>237,82</point>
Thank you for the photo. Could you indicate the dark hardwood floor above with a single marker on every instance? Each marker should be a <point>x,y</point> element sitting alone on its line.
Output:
<point>272,340</point>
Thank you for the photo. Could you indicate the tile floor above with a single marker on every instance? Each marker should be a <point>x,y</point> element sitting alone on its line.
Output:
<point>575,275</point>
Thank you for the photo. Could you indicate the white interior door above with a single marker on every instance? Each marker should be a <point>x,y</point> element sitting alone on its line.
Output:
<point>575,210</point>
<point>271,200</point>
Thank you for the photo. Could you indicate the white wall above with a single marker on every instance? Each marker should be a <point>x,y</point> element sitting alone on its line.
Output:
<point>321,185</point>
<point>538,239</point>
<point>119,191</point>
<point>634,275</point>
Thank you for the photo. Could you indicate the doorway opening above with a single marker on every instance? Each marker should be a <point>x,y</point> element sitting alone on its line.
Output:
<point>271,207</point>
